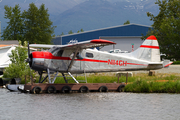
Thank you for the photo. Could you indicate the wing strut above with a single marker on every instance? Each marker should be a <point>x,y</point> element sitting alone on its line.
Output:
<point>70,65</point>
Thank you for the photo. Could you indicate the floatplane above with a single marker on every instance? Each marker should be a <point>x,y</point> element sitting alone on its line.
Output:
<point>80,58</point>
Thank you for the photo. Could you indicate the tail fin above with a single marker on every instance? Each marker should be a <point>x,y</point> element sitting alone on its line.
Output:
<point>149,50</point>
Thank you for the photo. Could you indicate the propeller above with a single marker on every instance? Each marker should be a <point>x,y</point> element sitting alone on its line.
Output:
<point>29,61</point>
<point>28,50</point>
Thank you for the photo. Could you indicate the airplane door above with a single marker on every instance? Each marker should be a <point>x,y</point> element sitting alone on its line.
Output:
<point>59,62</point>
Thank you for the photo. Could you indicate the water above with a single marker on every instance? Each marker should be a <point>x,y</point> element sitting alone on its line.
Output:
<point>89,106</point>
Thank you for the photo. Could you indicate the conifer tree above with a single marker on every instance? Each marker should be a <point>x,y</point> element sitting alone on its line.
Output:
<point>127,22</point>
<point>82,30</point>
<point>14,30</point>
<point>38,25</point>
<point>31,25</point>
<point>70,32</point>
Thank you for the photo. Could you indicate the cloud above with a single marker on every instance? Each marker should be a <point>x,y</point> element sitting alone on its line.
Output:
<point>0,0</point>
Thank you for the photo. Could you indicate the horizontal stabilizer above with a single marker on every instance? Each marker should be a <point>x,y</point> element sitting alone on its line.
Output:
<point>166,63</point>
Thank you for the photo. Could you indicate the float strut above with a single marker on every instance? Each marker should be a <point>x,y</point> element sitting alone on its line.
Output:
<point>73,77</point>
<point>64,77</point>
<point>44,79</point>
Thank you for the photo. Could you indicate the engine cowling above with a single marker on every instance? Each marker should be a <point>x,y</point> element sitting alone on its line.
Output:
<point>37,60</point>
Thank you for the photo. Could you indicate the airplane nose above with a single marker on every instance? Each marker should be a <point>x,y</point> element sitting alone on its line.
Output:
<point>36,60</point>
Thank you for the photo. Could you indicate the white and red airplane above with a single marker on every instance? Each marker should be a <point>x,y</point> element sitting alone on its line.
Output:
<point>78,58</point>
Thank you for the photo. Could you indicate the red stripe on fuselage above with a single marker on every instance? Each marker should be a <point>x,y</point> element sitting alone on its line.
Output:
<point>48,55</point>
<point>137,64</point>
<point>91,60</point>
<point>149,46</point>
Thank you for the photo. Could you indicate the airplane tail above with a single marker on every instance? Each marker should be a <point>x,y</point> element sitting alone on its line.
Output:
<point>149,50</point>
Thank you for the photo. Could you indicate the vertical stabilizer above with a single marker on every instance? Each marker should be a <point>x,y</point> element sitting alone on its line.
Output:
<point>149,50</point>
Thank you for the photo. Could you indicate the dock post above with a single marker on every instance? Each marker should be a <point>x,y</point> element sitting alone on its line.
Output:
<point>126,77</point>
<point>31,80</point>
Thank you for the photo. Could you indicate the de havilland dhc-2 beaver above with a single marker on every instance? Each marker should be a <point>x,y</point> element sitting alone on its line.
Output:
<point>79,58</point>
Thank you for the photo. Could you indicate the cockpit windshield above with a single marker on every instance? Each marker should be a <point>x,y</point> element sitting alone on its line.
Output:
<point>53,49</point>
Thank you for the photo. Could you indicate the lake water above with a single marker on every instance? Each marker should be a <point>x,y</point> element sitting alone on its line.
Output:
<point>89,106</point>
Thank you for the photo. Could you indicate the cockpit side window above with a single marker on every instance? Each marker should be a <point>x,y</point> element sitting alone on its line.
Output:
<point>90,55</point>
<point>59,53</point>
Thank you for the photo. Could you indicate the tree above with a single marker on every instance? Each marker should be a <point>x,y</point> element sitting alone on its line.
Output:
<point>14,30</point>
<point>127,22</point>
<point>62,34</point>
<point>18,68</point>
<point>31,25</point>
<point>38,25</point>
<point>166,27</point>
<point>70,32</point>
<point>82,30</point>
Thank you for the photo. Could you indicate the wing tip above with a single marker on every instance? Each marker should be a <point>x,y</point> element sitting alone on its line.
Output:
<point>102,41</point>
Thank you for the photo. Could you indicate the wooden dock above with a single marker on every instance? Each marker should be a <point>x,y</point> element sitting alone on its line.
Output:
<point>38,88</point>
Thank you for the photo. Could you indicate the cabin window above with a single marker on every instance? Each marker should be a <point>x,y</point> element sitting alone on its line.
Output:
<point>79,56</point>
<point>59,53</point>
<point>90,55</point>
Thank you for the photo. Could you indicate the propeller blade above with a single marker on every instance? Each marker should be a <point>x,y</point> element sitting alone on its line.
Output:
<point>28,51</point>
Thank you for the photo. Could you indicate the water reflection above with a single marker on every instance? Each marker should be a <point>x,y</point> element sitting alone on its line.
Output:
<point>98,106</point>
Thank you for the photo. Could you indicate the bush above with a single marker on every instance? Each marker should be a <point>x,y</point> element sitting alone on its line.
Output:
<point>18,68</point>
<point>176,62</point>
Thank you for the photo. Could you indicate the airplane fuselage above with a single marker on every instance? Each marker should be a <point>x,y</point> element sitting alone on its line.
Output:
<point>89,62</point>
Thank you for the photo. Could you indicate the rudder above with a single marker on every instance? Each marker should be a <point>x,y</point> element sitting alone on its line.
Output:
<point>149,50</point>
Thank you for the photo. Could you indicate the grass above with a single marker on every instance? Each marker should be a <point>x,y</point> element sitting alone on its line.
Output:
<point>94,78</point>
<point>161,83</point>
<point>153,87</point>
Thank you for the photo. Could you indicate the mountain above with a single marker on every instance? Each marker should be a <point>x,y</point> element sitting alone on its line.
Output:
<point>55,7</point>
<point>94,14</point>
<point>89,14</point>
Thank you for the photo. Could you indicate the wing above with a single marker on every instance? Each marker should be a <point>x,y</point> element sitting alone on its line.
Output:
<point>88,44</point>
<point>41,46</point>
<point>80,45</point>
